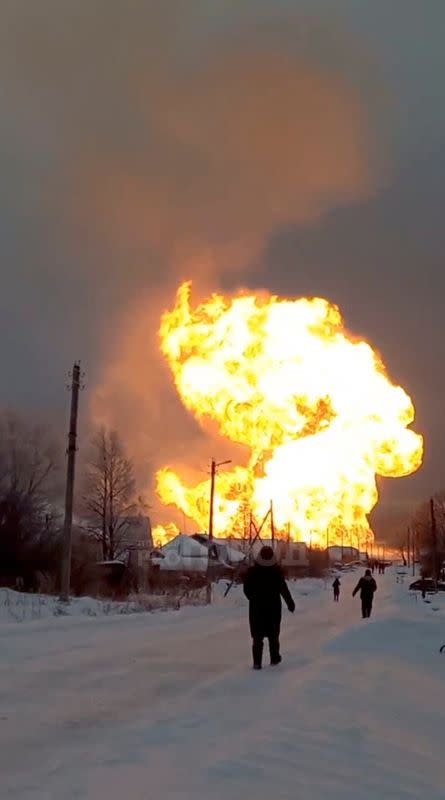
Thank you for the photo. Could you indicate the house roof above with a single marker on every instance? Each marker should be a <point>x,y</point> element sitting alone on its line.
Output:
<point>188,546</point>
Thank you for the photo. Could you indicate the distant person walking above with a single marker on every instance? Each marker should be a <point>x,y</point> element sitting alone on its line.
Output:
<point>264,586</point>
<point>336,588</point>
<point>367,587</point>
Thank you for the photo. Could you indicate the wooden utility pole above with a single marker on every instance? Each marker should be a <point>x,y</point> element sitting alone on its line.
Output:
<point>213,469</point>
<point>212,498</point>
<point>434,542</point>
<point>210,543</point>
<point>408,547</point>
<point>272,526</point>
<point>69,492</point>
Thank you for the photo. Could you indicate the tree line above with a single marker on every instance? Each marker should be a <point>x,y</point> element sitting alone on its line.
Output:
<point>32,480</point>
<point>422,534</point>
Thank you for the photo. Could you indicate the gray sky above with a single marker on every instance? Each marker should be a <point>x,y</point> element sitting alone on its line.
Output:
<point>239,143</point>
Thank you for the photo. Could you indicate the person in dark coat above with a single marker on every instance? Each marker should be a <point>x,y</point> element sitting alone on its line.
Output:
<point>367,587</point>
<point>264,586</point>
<point>336,588</point>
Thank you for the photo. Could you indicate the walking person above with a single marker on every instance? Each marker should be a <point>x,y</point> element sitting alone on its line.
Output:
<point>367,587</point>
<point>423,584</point>
<point>264,586</point>
<point>336,588</point>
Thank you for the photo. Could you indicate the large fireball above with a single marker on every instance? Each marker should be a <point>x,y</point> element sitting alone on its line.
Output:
<point>313,405</point>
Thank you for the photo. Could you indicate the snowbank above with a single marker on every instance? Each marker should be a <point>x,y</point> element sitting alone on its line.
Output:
<point>23,607</point>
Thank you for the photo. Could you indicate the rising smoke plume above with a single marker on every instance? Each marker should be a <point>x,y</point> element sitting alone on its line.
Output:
<point>179,141</point>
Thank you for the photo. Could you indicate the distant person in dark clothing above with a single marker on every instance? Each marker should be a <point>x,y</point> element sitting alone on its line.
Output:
<point>336,588</point>
<point>264,586</point>
<point>367,587</point>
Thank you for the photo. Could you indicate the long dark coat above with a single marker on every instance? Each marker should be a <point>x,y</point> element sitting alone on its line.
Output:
<point>366,586</point>
<point>264,586</point>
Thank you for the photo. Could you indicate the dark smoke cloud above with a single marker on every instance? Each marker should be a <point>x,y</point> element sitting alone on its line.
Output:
<point>158,134</point>
<point>160,141</point>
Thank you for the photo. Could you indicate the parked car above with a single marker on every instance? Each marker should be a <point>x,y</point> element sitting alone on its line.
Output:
<point>429,585</point>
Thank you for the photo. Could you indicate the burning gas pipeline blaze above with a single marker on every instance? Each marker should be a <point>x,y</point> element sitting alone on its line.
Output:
<point>313,405</point>
<point>161,534</point>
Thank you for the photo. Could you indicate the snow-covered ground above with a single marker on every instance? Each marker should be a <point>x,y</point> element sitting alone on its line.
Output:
<point>165,706</point>
<point>24,607</point>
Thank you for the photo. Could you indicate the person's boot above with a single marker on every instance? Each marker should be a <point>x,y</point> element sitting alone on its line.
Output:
<point>274,647</point>
<point>257,654</point>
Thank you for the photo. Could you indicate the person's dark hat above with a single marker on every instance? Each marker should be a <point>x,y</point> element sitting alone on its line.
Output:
<point>266,555</point>
<point>367,572</point>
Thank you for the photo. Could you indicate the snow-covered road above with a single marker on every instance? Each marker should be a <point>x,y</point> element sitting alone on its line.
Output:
<point>166,706</point>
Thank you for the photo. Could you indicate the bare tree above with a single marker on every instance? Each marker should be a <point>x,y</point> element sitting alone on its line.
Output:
<point>29,489</point>
<point>430,545</point>
<point>109,489</point>
<point>29,458</point>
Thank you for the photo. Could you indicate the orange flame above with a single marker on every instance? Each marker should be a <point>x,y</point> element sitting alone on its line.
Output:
<point>162,534</point>
<point>313,404</point>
